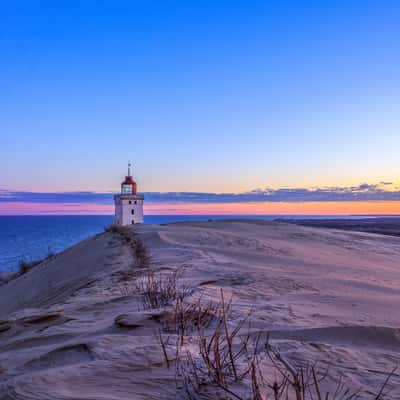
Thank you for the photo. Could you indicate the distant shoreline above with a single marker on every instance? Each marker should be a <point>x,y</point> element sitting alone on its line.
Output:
<point>262,216</point>
<point>379,225</point>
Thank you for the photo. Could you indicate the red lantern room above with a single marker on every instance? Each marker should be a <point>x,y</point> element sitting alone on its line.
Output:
<point>128,186</point>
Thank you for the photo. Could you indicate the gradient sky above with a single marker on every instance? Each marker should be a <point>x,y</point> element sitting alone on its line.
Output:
<point>202,96</point>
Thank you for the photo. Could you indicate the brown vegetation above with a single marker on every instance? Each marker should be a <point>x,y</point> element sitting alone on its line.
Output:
<point>25,266</point>
<point>218,357</point>
<point>160,289</point>
<point>229,361</point>
<point>188,317</point>
<point>139,251</point>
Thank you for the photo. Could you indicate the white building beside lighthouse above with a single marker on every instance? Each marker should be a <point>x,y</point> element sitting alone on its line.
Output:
<point>128,204</point>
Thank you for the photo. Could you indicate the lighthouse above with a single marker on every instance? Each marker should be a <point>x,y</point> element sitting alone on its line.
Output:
<point>128,204</point>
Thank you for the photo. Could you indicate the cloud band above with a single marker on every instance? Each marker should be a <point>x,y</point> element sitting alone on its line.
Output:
<point>363,192</point>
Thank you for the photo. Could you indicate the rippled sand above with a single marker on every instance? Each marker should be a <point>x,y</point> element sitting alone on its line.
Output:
<point>74,327</point>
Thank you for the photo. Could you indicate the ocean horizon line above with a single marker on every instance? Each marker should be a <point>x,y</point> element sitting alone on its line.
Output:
<point>204,215</point>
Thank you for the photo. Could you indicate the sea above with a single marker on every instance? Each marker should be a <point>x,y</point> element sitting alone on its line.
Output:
<point>30,238</point>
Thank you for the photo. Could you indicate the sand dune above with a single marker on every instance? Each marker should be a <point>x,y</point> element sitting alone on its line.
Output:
<point>75,328</point>
<point>371,337</point>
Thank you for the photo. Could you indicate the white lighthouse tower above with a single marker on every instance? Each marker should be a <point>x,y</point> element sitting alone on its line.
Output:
<point>128,204</point>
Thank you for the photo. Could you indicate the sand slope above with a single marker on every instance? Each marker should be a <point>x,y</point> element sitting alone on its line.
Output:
<point>325,295</point>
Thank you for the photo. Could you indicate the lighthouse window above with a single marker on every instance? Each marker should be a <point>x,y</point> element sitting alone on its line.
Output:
<point>126,189</point>
<point>130,201</point>
<point>135,202</point>
<point>132,212</point>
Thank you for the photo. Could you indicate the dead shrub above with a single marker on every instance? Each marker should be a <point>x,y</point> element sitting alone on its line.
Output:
<point>188,317</point>
<point>114,228</point>
<point>160,289</point>
<point>220,355</point>
<point>304,382</point>
<point>140,251</point>
<point>127,289</point>
<point>229,364</point>
<point>26,266</point>
<point>137,247</point>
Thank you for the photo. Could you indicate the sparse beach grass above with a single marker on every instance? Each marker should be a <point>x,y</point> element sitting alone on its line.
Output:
<point>232,362</point>
<point>26,266</point>
<point>214,354</point>
<point>137,247</point>
<point>195,321</point>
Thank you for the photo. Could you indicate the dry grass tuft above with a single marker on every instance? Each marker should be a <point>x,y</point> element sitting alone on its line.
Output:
<point>138,249</point>
<point>305,382</point>
<point>228,363</point>
<point>140,252</point>
<point>221,353</point>
<point>26,266</point>
<point>160,289</point>
<point>114,228</point>
<point>187,317</point>
<point>126,289</point>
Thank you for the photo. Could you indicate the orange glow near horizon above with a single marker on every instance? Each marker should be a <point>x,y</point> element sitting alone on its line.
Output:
<point>254,208</point>
<point>272,208</point>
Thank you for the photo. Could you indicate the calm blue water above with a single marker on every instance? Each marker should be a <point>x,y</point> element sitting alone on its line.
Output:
<point>32,237</point>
